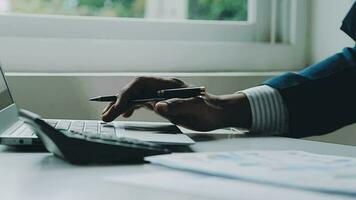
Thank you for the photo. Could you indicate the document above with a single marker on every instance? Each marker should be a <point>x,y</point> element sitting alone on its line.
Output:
<point>213,187</point>
<point>292,169</point>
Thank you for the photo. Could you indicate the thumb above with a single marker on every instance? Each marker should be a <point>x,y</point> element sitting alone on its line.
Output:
<point>176,106</point>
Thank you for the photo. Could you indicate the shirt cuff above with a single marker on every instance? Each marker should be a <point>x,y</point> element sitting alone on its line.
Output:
<point>269,113</point>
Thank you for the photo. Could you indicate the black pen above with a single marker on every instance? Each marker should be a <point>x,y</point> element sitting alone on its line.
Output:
<point>161,95</point>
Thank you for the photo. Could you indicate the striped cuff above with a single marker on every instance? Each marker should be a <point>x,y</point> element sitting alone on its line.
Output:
<point>269,114</point>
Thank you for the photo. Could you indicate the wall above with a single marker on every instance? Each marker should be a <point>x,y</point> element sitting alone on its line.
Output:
<point>326,39</point>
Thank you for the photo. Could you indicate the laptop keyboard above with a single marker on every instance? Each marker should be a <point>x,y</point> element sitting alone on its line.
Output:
<point>91,129</point>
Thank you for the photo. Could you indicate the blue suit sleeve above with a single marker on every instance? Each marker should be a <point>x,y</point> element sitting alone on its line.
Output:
<point>321,98</point>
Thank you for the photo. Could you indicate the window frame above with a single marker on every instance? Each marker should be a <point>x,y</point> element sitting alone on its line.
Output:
<point>38,43</point>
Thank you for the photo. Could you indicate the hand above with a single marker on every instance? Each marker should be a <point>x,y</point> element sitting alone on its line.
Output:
<point>208,112</point>
<point>203,113</point>
<point>141,87</point>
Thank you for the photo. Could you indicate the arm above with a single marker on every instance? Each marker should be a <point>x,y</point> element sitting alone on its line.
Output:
<point>315,101</point>
<point>321,98</point>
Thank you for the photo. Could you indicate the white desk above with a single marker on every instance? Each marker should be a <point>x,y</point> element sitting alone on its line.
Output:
<point>37,176</point>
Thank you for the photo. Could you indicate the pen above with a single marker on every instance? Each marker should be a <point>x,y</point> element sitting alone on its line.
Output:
<point>161,95</point>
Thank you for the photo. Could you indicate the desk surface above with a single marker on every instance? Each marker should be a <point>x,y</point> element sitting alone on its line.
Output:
<point>40,176</point>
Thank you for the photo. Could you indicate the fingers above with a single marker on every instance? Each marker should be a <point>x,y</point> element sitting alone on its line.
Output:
<point>141,87</point>
<point>110,114</point>
<point>150,105</point>
<point>107,107</point>
<point>178,112</point>
<point>122,105</point>
<point>176,107</point>
<point>128,113</point>
<point>194,113</point>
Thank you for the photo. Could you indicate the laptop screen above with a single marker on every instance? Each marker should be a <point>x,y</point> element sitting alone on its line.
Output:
<point>5,97</point>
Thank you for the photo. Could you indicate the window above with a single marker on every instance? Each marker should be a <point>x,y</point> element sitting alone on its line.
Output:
<point>109,8</point>
<point>152,35</point>
<point>229,10</point>
<point>218,10</point>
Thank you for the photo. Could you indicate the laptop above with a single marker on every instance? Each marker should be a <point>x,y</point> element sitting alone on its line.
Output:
<point>13,131</point>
